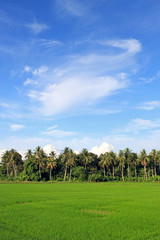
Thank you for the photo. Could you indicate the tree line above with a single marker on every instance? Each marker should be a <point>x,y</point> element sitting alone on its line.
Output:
<point>85,166</point>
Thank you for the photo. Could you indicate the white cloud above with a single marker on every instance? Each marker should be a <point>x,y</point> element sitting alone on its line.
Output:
<point>149,105</point>
<point>72,92</point>
<point>49,42</point>
<point>36,27</point>
<point>49,148</point>
<point>82,80</point>
<point>36,71</point>
<point>72,7</point>
<point>16,127</point>
<point>132,46</point>
<point>150,79</point>
<point>51,128</point>
<point>30,82</point>
<point>138,124</point>
<point>57,133</point>
<point>103,148</point>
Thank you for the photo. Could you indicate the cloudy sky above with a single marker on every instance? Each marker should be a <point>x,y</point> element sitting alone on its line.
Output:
<point>80,73</point>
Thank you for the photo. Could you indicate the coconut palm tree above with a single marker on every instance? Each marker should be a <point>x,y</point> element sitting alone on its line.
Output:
<point>113,160</point>
<point>127,154</point>
<point>6,160</point>
<point>144,160</point>
<point>86,157</point>
<point>154,156</point>
<point>71,161</point>
<point>40,159</point>
<point>121,159</point>
<point>103,163</point>
<point>13,161</point>
<point>134,161</point>
<point>65,158</point>
<point>28,154</point>
<point>51,162</point>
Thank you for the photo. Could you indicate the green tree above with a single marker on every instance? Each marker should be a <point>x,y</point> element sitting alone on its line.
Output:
<point>113,160</point>
<point>144,160</point>
<point>134,161</point>
<point>121,160</point>
<point>71,161</point>
<point>6,161</point>
<point>51,162</point>
<point>127,154</point>
<point>28,154</point>
<point>65,158</point>
<point>40,157</point>
<point>86,157</point>
<point>154,156</point>
<point>104,162</point>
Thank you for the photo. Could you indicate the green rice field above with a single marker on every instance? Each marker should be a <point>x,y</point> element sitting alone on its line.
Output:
<point>68,211</point>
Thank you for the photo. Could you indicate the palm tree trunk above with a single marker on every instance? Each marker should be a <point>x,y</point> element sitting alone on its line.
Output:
<point>122,174</point>
<point>152,172</point>
<point>15,170</point>
<point>85,165</point>
<point>50,173</point>
<point>113,170</point>
<point>135,172</point>
<point>155,168</point>
<point>65,173</point>
<point>7,169</point>
<point>70,174</point>
<point>145,172</point>
<point>149,172</point>
<point>128,171</point>
<point>40,172</point>
<point>104,172</point>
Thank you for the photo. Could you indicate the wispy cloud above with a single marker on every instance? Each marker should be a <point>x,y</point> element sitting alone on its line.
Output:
<point>149,105</point>
<point>49,42</point>
<point>72,7</point>
<point>57,133</point>
<point>132,46</point>
<point>150,79</point>
<point>137,125</point>
<point>84,79</point>
<point>30,82</point>
<point>16,127</point>
<point>36,71</point>
<point>36,27</point>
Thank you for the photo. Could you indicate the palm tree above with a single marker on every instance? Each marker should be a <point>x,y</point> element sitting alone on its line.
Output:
<point>65,157</point>
<point>71,161</point>
<point>40,159</point>
<point>86,157</point>
<point>51,162</point>
<point>13,161</point>
<point>112,158</point>
<point>154,156</point>
<point>121,159</point>
<point>103,162</point>
<point>134,159</point>
<point>144,160</point>
<point>6,160</point>
<point>127,154</point>
<point>28,154</point>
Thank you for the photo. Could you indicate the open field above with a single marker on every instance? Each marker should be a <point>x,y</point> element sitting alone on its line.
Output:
<point>80,211</point>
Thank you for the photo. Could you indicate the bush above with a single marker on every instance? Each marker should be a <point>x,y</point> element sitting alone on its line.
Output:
<point>80,174</point>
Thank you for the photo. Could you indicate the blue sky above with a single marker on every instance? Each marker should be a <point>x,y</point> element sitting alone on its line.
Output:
<point>80,74</point>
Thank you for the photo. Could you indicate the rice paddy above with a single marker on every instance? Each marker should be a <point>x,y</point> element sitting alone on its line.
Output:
<point>63,211</point>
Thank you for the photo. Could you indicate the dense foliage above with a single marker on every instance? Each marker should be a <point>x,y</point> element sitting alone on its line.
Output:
<point>85,166</point>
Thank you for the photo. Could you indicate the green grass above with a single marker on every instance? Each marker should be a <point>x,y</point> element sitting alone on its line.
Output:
<point>80,211</point>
